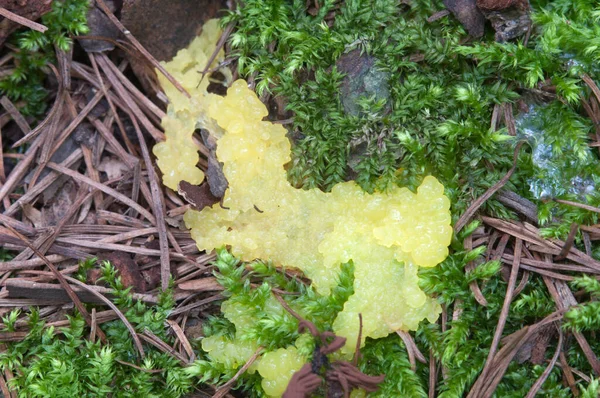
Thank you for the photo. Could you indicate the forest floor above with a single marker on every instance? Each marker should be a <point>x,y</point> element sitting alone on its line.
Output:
<point>78,181</point>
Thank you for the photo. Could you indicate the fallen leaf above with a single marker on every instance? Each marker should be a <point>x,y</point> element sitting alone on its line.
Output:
<point>33,215</point>
<point>113,167</point>
<point>197,196</point>
<point>468,14</point>
<point>128,270</point>
<point>509,23</point>
<point>58,206</point>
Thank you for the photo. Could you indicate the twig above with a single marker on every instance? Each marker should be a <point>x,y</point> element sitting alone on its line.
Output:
<point>218,47</point>
<point>183,339</point>
<point>15,114</point>
<point>438,15</point>
<point>22,20</point>
<point>224,389</point>
<point>197,304</point>
<point>139,367</point>
<point>432,375</point>
<point>153,339</point>
<point>579,205</point>
<point>358,340</point>
<point>411,349</point>
<point>568,243</point>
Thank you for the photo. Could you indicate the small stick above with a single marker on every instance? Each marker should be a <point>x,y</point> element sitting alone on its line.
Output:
<point>218,47</point>
<point>185,343</point>
<point>94,326</point>
<point>438,15</point>
<point>22,20</point>
<point>357,350</point>
<point>224,389</point>
<point>568,243</point>
<point>432,375</point>
<point>15,114</point>
<point>579,205</point>
<point>153,339</point>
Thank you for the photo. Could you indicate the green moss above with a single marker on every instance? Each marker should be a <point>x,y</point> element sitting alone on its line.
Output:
<point>440,107</point>
<point>64,363</point>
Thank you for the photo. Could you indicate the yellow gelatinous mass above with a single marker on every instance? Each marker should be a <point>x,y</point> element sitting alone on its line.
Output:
<point>178,155</point>
<point>387,236</point>
<point>277,368</point>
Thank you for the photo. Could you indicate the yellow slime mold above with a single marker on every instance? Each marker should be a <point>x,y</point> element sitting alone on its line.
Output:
<point>178,155</point>
<point>387,236</point>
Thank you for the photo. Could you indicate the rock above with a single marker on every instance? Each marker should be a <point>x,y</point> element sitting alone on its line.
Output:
<point>362,79</point>
<point>100,25</point>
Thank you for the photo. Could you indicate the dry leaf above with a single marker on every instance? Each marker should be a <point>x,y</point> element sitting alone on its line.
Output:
<point>128,270</point>
<point>113,167</point>
<point>198,196</point>
<point>468,14</point>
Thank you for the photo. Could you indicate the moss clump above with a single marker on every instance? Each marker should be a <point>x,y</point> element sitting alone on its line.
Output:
<point>442,93</point>
<point>64,363</point>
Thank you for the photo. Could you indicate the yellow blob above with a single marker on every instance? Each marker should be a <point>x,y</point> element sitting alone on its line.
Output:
<point>178,155</point>
<point>277,368</point>
<point>387,236</point>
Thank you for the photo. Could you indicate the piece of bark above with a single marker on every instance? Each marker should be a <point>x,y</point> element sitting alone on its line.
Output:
<point>363,79</point>
<point>495,5</point>
<point>509,23</point>
<point>468,14</point>
<point>214,172</point>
